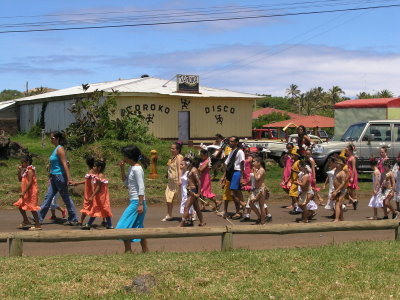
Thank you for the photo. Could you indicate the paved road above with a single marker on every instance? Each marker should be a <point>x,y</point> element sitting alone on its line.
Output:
<point>10,218</point>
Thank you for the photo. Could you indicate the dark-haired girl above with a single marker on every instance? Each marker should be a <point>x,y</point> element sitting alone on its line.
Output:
<point>259,192</point>
<point>303,140</point>
<point>88,188</point>
<point>28,200</point>
<point>100,198</point>
<point>59,179</point>
<point>172,192</point>
<point>387,186</point>
<point>353,175</point>
<point>383,157</point>
<point>287,163</point>
<point>194,190</point>
<point>134,214</point>
<point>205,178</point>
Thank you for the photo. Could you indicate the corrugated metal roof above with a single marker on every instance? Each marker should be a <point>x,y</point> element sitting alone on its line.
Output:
<point>5,104</point>
<point>369,103</point>
<point>148,85</point>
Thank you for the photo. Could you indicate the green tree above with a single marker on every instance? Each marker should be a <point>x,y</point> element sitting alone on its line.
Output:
<point>334,95</point>
<point>275,102</point>
<point>314,100</point>
<point>384,94</point>
<point>10,95</point>
<point>269,118</point>
<point>380,94</point>
<point>293,92</point>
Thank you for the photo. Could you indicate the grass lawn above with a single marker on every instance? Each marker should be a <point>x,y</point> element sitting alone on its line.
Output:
<point>358,270</point>
<point>10,187</point>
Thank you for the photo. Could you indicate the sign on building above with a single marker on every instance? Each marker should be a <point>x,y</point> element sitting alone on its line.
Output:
<point>187,83</point>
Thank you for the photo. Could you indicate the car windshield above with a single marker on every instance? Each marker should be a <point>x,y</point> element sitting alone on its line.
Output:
<point>353,132</point>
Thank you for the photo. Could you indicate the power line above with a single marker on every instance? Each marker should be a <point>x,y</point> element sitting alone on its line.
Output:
<point>201,20</point>
<point>189,13</point>
<point>334,2</point>
<point>223,71</point>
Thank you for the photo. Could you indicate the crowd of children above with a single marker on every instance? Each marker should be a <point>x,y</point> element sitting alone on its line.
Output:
<point>189,182</point>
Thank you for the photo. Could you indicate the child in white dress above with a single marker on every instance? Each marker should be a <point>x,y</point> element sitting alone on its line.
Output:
<point>184,192</point>
<point>329,181</point>
<point>376,199</point>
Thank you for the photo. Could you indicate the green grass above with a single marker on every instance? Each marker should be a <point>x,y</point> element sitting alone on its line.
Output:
<point>358,270</point>
<point>10,187</point>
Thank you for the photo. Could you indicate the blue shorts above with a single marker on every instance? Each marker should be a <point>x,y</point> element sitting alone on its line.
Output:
<point>235,182</point>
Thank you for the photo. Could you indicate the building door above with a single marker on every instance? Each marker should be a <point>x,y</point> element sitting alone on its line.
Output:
<point>184,125</point>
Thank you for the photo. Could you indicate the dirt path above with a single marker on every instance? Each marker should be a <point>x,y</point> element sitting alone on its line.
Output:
<point>10,218</point>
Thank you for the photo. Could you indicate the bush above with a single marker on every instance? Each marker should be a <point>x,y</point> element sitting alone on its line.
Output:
<point>94,122</point>
<point>35,131</point>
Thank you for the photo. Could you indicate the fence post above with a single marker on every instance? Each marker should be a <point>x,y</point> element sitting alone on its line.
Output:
<point>15,246</point>
<point>227,240</point>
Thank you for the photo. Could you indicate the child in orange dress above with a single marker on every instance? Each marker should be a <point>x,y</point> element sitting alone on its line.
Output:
<point>29,194</point>
<point>87,205</point>
<point>100,198</point>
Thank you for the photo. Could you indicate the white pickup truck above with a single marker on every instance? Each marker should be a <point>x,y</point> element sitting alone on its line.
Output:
<point>368,137</point>
<point>275,148</point>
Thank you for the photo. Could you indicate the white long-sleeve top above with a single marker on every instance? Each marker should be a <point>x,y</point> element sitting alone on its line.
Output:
<point>135,182</point>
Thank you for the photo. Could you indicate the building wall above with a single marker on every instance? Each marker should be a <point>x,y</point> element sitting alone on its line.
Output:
<point>394,113</point>
<point>57,116</point>
<point>207,116</point>
<point>346,116</point>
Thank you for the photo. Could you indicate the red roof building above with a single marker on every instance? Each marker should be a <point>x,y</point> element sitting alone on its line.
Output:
<point>359,110</point>
<point>312,121</point>
<point>369,103</point>
<point>269,110</point>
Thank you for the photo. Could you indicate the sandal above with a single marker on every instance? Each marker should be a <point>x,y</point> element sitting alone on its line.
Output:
<point>166,218</point>
<point>236,216</point>
<point>300,220</point>
<point>372,218</point>
<point>34,228</point>
<point>24,225</point>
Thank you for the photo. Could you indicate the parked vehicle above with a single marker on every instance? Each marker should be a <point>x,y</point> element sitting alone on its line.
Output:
<point>267,133</point>
<point>322,134</point>
<point>277,148</point>
<point>368,137</point>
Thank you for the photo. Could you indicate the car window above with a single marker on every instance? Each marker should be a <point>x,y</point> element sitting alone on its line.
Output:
<point>381,132</point>
<point>396,133</point>
<point>353,132</point>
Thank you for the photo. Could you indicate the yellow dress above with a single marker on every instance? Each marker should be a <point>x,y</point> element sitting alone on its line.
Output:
<point>294,175</point>
<point>172,191</point>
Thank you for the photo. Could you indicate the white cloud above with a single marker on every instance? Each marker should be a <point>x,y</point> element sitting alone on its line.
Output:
<point>270,69</point>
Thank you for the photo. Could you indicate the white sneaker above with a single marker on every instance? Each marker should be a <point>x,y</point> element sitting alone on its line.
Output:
<point>166,218</point>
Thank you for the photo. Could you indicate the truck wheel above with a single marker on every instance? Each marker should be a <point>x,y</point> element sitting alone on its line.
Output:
<point>322,171</point>
<point>281,161</point>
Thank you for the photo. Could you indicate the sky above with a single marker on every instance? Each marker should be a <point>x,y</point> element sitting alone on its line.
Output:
<point>357,50</point>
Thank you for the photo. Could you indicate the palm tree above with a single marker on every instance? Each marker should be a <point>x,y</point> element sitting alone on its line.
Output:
<point>335,95</point>
<point>364,95</point>
<point>384,94</point>
<point>294,92</point>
